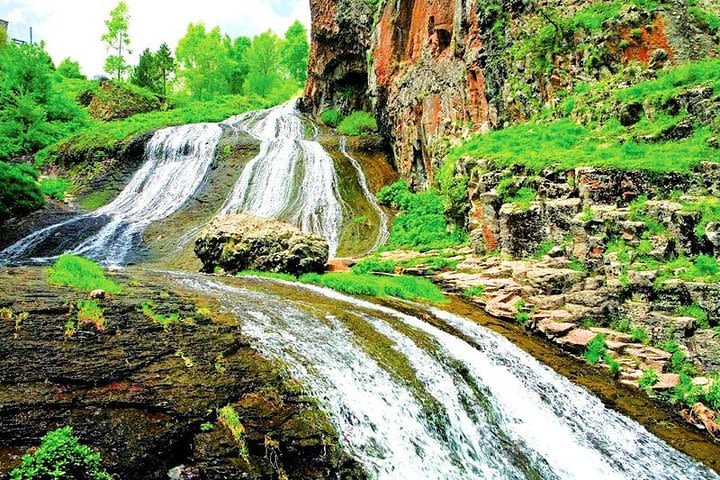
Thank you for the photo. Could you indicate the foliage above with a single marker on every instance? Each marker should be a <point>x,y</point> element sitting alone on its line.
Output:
<point>295,52</point>
<point>204,61</point>
<point>331,117</point>
<point>678,362</point>
<point>649,379</point>
<point>166,321</point>
<point>264,59</point>
<point>20,194</point>
<point>228,417</point>
<point>421,224</point>
<point>55,187</point>
<point>405,287</point>
<point>697,312</point>
<point>595,350</point>
<point>476,291</point>
<point>358,123</point>
<point>147,74</point>
<point>89,311</point>
<point>33,113</point>
<point>69,68</point>
<point>117,40</point>
<point>165,64</point>
<point>639,335</point>
<point>621,325</point>
<point>80,273</point>
<point>61,456</point>
<point>612,364</point>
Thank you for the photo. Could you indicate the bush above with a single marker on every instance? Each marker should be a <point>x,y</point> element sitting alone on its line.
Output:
<point>405,287</point>
<point>20,194</point>
<point>374,265</point>
<point>595,350</point>
<point>358,123</point>
<point>81,273</point>
<point>61,456</point>
<point>649,379</point>
<point>331,118</point>
<point>697,312</point>
<point>421,225</point>
<point>54,187</point>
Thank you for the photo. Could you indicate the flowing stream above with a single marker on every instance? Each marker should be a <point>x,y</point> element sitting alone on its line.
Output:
<point>479,408</point>
<point>292,179</point>
<point>177,161</point>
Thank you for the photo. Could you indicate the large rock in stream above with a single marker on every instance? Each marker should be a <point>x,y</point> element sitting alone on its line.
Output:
<point>240,242</point>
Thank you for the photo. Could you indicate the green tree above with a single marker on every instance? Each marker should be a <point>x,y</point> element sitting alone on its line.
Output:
<point>237,51</point>
<point>147,73</point>
<point>19,192</point>
<point>3,37</point>
<point>69,68</point>
<point>117,40</point>
<point>204,61</point>
<point>263,59</point>
<point>295,51</point>
<point>166,65</point>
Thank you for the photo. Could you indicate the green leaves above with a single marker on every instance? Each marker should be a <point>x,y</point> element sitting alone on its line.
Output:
<point>117,39</point>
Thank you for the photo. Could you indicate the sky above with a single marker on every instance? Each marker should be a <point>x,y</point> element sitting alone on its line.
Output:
<point>72,28</point>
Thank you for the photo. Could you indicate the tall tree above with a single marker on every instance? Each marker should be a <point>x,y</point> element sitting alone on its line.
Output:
<point>295,51</point>
<point>166,65</point>
<point>263,59</point>
<point>237,51</point>
<point>117,40</point>
<point>69,68</point>
<point>204,61</point>
<point>147,73</point>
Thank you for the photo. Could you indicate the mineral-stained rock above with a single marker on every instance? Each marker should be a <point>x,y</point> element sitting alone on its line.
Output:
<point>521,230</point>
<point>240,241</point>
<point>578,339</point>
<point>552,281</point>
<point>704,349</point>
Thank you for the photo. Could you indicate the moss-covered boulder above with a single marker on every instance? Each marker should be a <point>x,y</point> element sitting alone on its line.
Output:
<point>115,100</point>
<point>240,242</point>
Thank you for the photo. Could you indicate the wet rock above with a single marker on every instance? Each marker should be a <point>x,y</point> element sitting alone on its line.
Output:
<point>577,339</point>
<point>704,349</point>
<point>240,242</point>
<point>552,281</point>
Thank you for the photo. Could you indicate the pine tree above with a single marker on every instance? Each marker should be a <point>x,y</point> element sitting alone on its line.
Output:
<point>166,64</point>
<point>117,40</point>
<point>147,73</point>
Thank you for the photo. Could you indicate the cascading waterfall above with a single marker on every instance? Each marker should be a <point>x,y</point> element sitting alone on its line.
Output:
<point>480,408</point>
<point>292,179</point>
<point>383,232</point>
<point>177,161</point>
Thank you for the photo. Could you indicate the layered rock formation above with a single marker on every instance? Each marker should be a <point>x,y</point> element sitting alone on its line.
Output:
<point>240,242</point>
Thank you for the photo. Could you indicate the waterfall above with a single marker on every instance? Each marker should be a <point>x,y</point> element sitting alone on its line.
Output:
<point>292,179</point>
<point>177,161</point>
<point>478,407</point>
<point>383,232</point>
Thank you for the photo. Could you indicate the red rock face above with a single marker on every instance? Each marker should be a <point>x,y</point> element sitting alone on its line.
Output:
<point>337,76</point>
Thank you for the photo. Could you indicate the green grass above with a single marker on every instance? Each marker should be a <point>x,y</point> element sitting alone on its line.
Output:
<point>374,264</point>
<point>405,287</point>
<point>421,224</point>
<point>102,137</point>
<point>564,145</point>
<point>55,187</point>
<point>89,311</point>
<point>96,199</point>
<point>166,321</point>
<point>697,312</point>
<point>476,291</point>
<point>80,273</point>
<point>274,275</point>
<point>60,455</point>
<point>358,123</point>
<point>331,118</point>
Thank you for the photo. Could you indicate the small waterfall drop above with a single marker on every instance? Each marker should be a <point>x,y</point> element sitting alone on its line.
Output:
<point>479,408</point>
<point>383,232</point>
<point>292,179</point>
<point>177,161</point>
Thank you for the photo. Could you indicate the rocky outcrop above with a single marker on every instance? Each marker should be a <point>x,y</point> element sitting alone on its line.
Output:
<point>139,389</point>
<point>115,101</point>
<point>338,67</point>
<point>240,242</point>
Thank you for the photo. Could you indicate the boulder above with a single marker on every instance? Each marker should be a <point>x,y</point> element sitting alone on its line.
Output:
<point>240,241</point>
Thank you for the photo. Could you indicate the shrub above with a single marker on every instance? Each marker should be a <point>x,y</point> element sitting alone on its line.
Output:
<point>612,364</point>
<point>421,224</point>
<point>54,187</point>
<point>358,123</point>
<point>476,291</point>
<point>649,379</point>
<point>81,273</point>
<point>621,325</point>
<point>60,455</point>
<point>405,287</point>
<point>331,118</point>
<point>678,362</point>
<point>639,335</point>
<point>595,349</point>
<point>697,312</point>
<point>20,194</point>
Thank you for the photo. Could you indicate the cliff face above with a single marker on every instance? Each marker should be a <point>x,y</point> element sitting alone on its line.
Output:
<point>440,69</point>
<point>338,73</point>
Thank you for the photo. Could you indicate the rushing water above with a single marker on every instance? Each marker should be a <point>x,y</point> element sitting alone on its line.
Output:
<point>383,231</point>
<point>177,161</point>
<point>292,179</point>
<point>476,409</point>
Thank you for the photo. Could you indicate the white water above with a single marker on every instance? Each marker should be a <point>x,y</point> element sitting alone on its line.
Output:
<point>177,161</point>
<point>383,231</point>
<point>292,179</point>
<point>496,412</point>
